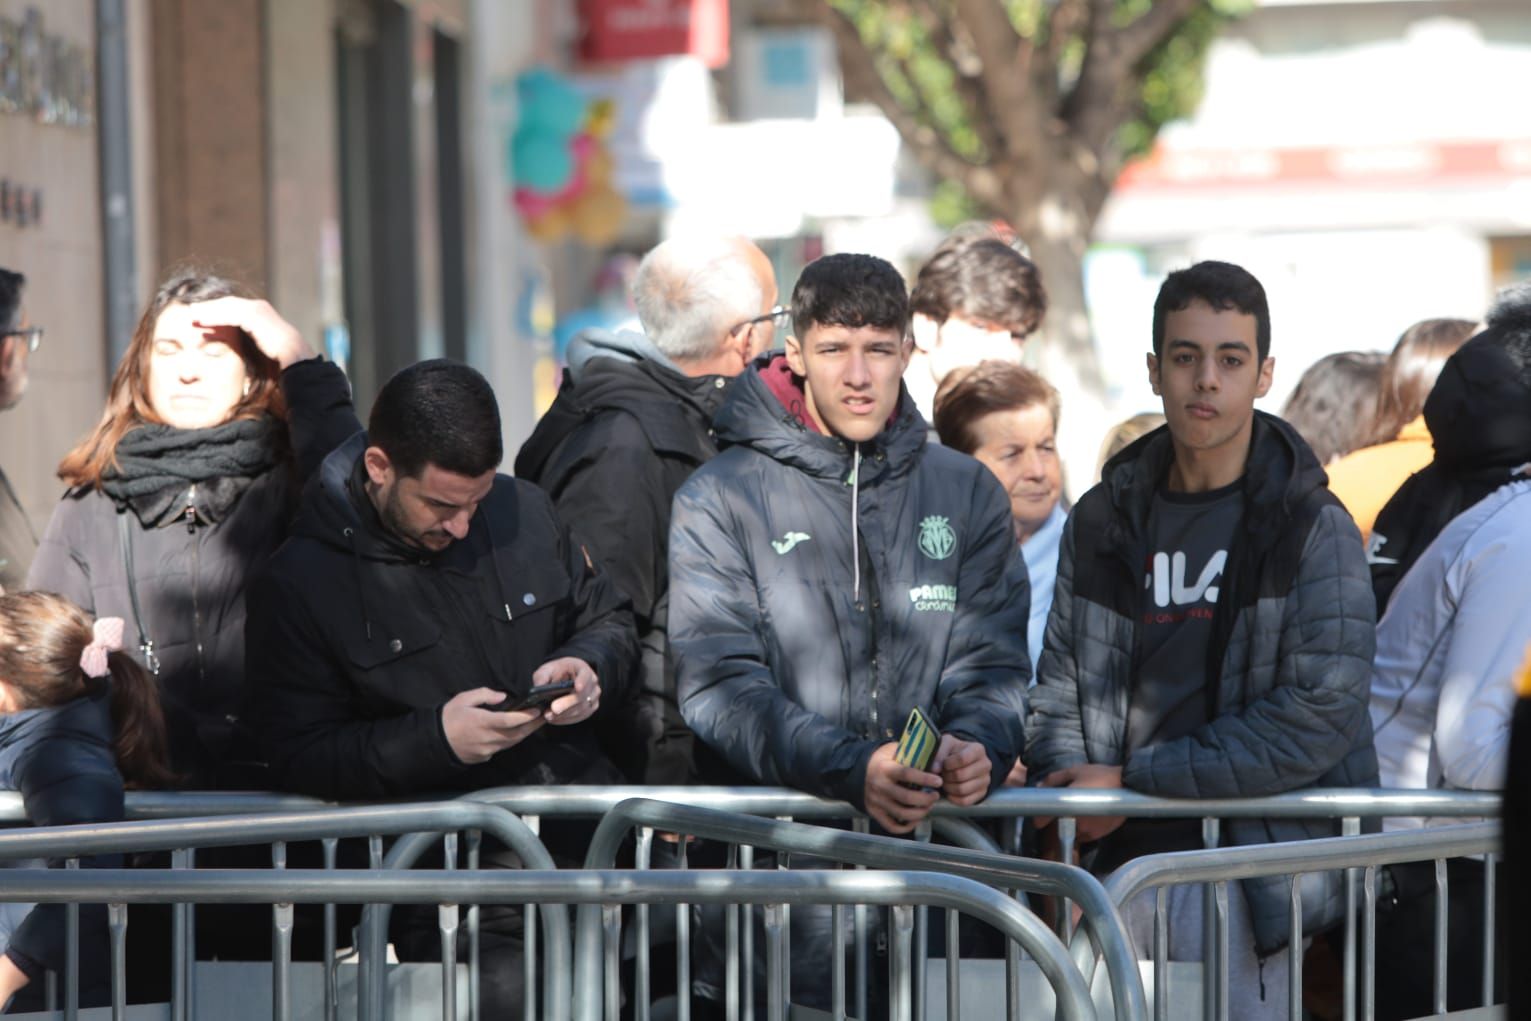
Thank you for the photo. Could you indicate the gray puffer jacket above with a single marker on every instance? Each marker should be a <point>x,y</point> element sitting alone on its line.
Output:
<point>1293,639</point>
<point>820,590</point>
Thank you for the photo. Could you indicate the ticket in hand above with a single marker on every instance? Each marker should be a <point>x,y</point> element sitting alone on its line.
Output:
<point>919,742</point>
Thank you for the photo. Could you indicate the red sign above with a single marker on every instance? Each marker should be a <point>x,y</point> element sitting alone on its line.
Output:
<point>637,29</point>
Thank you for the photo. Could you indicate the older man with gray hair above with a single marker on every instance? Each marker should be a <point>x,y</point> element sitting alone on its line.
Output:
<point>630,424</point>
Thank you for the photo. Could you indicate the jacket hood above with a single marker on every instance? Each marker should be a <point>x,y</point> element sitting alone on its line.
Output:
<point>331,515</point>
<point>621,345</point>
<point>1479,411</point>
<point>766,411</point>
<point>624,372</point>
<point>1281,472</point>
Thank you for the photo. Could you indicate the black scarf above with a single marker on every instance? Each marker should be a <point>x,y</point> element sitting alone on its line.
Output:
<point>157,463</point>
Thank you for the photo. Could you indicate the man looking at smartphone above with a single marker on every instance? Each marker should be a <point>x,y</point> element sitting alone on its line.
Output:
<point>420,593</point>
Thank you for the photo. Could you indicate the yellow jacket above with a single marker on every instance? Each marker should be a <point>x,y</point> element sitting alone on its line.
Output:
<point>1366,479</point>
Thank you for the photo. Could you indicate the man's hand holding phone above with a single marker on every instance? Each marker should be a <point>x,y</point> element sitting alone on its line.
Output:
<point>581,702</point>
<point>477,728</point>
<point>899,797</point>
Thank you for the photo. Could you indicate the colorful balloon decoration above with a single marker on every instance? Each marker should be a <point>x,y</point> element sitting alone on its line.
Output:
<point>560,164</point>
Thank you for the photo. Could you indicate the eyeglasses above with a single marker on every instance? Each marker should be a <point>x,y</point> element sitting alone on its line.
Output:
<point>779,317</point>
<point>32,334</point>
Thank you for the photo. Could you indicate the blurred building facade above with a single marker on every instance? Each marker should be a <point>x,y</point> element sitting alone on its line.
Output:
<point>344,157</point>
<point>1369,161</point>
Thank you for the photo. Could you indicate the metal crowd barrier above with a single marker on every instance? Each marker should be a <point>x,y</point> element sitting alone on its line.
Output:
<point>898,890</point>
<point>1295,859</point>
<point>953,823</point>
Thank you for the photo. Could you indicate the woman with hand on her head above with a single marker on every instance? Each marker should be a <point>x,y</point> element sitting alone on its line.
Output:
<point>78,718</point>
<point>187,484</point>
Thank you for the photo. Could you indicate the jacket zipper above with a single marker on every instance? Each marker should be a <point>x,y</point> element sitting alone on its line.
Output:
<point>196,577</point>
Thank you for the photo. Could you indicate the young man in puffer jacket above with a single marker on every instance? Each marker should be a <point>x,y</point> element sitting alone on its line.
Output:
<point>830,571</point>
<point>1212,629</point>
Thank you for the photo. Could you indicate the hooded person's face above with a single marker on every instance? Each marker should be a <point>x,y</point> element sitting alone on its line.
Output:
<point>428,512</point>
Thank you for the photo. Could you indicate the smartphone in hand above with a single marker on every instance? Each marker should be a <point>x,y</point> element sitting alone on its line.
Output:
<point>919,743</point>
<point>538,697</point>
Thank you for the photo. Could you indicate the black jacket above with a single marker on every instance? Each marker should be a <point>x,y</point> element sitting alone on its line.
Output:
<point>355,643</point>
<point>1289,663</point>
<point>623,435</point>
<point>793,660</point>
<point>1479,415</point>
<point>62,763</point>
<point>190,581</point>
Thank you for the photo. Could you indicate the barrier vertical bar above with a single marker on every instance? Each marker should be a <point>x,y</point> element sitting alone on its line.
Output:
<point>72,954</point>
<point>1161,954</point>
<point>611,918</point>
<point>475,845</point>
<point>50,992</point>
<point>191,942</point>
<point>1012,980</point>
<point>683,944</point>
<point>447,919</point>
<point>1441,904</point>
<point>900,966</point>
<point>746,862</point>
<point>281,945</point>
<point>529,936</point>
<point>331,848</point>
<point>1294,950</point>
<point>642,991</point>
<point>1220,900</point>
<point>117,923</point>
<point>1350,826</point>
<point>784,862</point>
<point>1369,943</point>
<point>776,979</point>
<point>837,966</point>
<point>953,967</point>
<point>372,969</point>
<point>921,937</point>
<point>179,966</point>
<point>1489,906</point>
<point>730,949</point>
<point>1210,997</point>
<point>1068,829</point>
<point>863,968</point>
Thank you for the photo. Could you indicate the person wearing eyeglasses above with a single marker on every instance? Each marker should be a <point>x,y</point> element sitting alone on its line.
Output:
<point>631,423</point>
<point>19,337</point>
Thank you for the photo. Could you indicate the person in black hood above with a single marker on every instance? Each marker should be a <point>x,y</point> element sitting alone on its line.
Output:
<point>831,571</point>
<point>1479,416</point>
<point>421,597</point>
<point>631,423</point>
<point>216,414</point>
<point>1211,633</point>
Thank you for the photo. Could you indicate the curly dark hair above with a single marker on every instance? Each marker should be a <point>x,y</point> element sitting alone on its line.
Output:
<point>850,290</point>
<point>1223,286</point>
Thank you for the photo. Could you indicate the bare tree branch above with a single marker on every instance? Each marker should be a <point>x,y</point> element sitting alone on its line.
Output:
<point>963,58</point>
<point>1098,103</point>
<point>1019,116</point>
<point>864,81</point>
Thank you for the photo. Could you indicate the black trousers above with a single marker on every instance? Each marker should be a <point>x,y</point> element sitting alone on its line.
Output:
<point>1406,939</point>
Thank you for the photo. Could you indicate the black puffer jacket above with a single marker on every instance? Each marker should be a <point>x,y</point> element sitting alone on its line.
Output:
<point>190,574</point>
<point>625,432</point>
<point>62,763</point>
<point>793,660</point>
<point>356,642</point>
<point>1293,640</point>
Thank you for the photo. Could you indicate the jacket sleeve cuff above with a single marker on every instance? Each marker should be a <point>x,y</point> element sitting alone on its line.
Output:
<point>853,788</point>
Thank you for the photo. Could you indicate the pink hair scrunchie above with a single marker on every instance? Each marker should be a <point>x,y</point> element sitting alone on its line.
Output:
<point>107,639</point>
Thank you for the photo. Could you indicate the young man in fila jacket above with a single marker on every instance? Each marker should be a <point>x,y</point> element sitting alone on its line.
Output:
<point>830,571</point>
<point>1212,629</point>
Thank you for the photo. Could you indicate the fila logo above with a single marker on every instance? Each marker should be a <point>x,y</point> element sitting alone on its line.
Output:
<point>787,543</point>
<point>1166,577</point>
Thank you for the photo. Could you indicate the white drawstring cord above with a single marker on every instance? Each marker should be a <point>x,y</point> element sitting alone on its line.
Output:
<point>856,520</point>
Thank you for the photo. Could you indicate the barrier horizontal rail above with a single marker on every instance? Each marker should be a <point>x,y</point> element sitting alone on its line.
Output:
<point>1002,871</point>
<point>591,802</point>
<point>1296,858</point>
<point>315,886</point>
<point>320,823</point>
